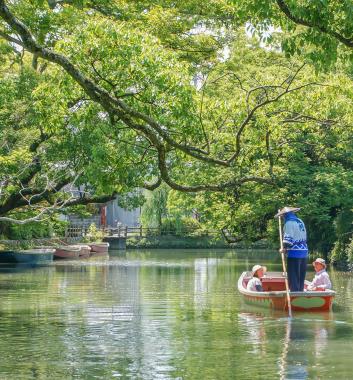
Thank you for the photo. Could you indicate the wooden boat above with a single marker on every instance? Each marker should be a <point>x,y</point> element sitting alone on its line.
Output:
<point>29,256</point>
<point>67,252</point>
<point>7,257</point>
<point>40,256</point>
<point>85,250</point>
<point>274,294</point>
<point>99,247</point>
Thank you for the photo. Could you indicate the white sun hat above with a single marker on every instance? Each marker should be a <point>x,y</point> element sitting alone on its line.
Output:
<point>256,267</point>
<point>321,261</point>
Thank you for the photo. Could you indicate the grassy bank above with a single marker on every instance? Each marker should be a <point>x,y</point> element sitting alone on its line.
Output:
<point>179,242</point>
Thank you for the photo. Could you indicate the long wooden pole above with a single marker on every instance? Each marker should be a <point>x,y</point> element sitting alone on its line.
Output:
<point>284,268</point>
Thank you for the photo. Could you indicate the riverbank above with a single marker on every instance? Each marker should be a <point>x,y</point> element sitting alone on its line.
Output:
<point>169,242</point>
<point>28,244</point>
<point>186,242</point>
<point>150,242</point>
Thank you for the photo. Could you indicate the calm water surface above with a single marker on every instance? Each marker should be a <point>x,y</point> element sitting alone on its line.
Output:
<point>163,315</point>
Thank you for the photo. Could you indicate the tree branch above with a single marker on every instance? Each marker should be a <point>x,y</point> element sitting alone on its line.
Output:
<point>88,200</point>
<point>19,199</point>
<point>252,111</point>
<point>109,103</point>
<point>153,186</point>
<point>297,20</point>
<point>269,153</point>
<point>157,134</point>
<point>209,187</point>
<point>10,39</point>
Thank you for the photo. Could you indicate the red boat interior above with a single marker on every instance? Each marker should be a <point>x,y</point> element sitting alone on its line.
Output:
<point>269,283</point>
<point>273,283</point>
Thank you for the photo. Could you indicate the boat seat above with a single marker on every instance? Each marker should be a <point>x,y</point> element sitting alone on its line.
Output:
<point>271,284</point>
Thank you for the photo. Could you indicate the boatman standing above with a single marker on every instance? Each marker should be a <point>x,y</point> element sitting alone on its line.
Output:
<point>295,245</point>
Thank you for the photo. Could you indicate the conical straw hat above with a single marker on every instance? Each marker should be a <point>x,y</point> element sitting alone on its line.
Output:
<point>286,209</point>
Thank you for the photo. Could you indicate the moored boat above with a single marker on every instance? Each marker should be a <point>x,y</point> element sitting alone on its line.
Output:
<point>274,295</point>
<point>7,257</point>
<point>85,250</point>
<point>28,256</point>
<point>34,256</point>
<point>67,252</point>
<point>99,247</point>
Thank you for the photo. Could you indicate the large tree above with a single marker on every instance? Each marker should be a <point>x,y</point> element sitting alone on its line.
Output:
<point>307,140</point>
<point>120,93</point>
<point>321,30</point>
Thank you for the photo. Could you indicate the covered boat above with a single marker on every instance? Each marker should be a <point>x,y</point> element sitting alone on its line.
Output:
<point>67,252</point>
<point>7,257</point>
<point>35,256</point>
<point>85,250</point>
<point>274,295</point>
<point>99,247</point>
<point>41,256</point>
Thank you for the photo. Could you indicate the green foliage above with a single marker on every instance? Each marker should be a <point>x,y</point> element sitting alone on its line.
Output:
<point>58,226</point>
<point>171,226</point>
<point>190,67</point>
<point>338,253</point>
<point>317,30</point>
<point>343,232</point>
<point>82,211</point>
<point>35,230</point>
<point>93,234</point>
<point>131,200</point>
<point>177,242</point>
<point>310,154</point>
<point>182,226</point>
<point>349,251</point>
<point>30,231</point>
<point>155,207</point>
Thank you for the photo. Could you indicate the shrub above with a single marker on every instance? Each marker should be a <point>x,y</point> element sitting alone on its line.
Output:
<point>30,231</point>
<point>93,234</point>
<point>182,226</point>
<point>339,252</point>
<point>349,251</point>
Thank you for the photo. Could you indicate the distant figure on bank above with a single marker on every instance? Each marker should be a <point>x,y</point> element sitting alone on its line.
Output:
<point>295,245</point>
<point>321,280</point>
<point>255,283</point>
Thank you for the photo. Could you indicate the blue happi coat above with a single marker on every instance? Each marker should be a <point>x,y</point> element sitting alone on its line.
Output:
<point>294,236</point>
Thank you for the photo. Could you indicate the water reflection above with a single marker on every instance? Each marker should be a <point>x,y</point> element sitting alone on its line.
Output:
<point>254,324</point>
<point>304,342</point>
<point>17,267</point>
<point>159,315</point>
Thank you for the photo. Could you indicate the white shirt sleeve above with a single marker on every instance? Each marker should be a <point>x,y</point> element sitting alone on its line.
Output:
<point>253,283</point>
<point>321,280</point>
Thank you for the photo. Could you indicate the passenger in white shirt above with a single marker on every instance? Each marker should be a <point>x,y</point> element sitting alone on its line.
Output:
<point>255,284</point>
<point>321,280</point>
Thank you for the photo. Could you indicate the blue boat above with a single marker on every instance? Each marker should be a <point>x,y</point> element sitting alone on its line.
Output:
<point>40,256</point>
<point>7,257</point>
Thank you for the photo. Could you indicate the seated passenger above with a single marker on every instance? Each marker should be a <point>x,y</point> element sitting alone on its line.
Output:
<point>255,283</point>
<point>321,280</point>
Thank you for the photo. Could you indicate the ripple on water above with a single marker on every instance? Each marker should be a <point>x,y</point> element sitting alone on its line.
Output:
<point>161,317</point>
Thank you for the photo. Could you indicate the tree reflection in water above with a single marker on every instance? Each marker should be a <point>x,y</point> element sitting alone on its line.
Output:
<point>303,344</point>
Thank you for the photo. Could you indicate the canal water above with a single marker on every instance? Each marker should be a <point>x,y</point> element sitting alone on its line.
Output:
<point>163,315</point>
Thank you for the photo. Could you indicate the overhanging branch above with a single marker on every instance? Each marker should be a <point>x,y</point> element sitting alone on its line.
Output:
<point>323,28</point>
